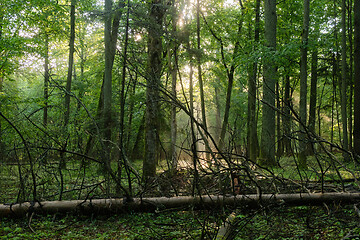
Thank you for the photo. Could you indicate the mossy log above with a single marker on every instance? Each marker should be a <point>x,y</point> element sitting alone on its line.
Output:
<point>120,205</point>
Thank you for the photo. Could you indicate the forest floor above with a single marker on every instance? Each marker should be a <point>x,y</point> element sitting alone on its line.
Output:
<point>305,222</point>
<point>333,221</point>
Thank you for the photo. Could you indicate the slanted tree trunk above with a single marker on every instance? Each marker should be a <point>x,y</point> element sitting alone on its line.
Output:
<point>356,128</point>
<point>154,67</point>
<point>252,136</point>
<point>71,62</point>
<point>267,146</point>
<point>303,86</point>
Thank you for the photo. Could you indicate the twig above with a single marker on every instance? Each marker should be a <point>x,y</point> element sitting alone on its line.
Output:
<point>29,223</point>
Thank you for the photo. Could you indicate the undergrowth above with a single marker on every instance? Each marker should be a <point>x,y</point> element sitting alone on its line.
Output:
<point>306,222</point>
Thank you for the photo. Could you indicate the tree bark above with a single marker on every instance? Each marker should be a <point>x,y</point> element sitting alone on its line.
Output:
<point>356,128</point>
<point>252,136</point>
<point>120,205</point>
<point>71,62</point>
<point>152,89</point>
<point>313,91</point>
<point>107,94</point>
<point>267,146</point>
<point>351,71</point>
<point>344,78</point>
<point>303,86</point>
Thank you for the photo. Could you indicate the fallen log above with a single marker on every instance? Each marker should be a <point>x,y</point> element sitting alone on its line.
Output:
<point>120,205</point>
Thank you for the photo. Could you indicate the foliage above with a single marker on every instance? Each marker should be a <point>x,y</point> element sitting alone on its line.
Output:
<point>51,161</point>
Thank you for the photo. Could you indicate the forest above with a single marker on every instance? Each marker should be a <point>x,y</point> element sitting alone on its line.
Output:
<point>179,119</point>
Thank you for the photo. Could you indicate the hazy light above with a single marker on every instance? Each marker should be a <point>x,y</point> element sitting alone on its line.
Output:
<point>138,37</point>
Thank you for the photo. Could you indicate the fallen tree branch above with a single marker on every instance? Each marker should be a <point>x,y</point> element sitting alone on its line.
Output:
<point>121,205</point>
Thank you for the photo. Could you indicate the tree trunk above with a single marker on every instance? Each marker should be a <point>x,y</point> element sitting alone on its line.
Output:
<point>193,147</point>
<point>351,90</point>
<point>313,91</point>
<point>174,159</point>
<point>114,34</point>
<point>218,112</point>
<point>173,59</point>
<point>230,74</point>
<point>1,135</point>
<point>227,108</point>
<point>356,128</point>
<point>252,123</point>
<point>152,89</point>
<point>46,81</point>
<point>71,62</point>
<point>344,78</point>
<point>267,146</point>
<point>120,205</point>
<point>1,83</point>
<point>350,37</point>
<point>107,111</point>
<point>303,86</point>
<point>131,112</point>
<point>280,146</point>
<point>122,109</point>
<point>139,146</point>
<point>287,117</point>
<point>200,79</point>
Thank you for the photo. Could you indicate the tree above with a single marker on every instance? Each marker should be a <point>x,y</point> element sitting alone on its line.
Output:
<point>153,76</point>
<point>356,128</point>
<point>313,90</point>
<point>71,61</point>
<point>200,77</point>
<point>344,77</point>
<point>303,85</point>
<point>46,79</point>
<point>230,71</point>
<point>173,68</point>
<point>107,94</point>
<point>252,79</point>
<point>267,145</point>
